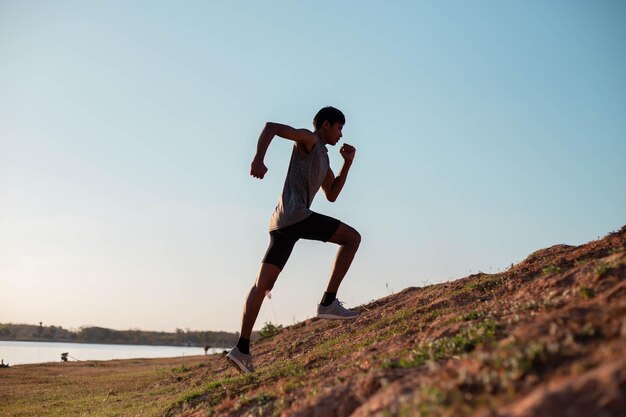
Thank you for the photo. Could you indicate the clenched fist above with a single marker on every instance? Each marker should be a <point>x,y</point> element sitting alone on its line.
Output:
<point>347,152</point>
<point>258,169</point>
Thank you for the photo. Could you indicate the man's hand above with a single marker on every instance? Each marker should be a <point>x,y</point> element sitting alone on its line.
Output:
<point>258,169</point>
<point>347,152</point>
<point>332,185</point>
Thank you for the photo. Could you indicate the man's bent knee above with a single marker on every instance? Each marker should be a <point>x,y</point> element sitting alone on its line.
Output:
<point>357,238</point>
<point>346,236</point>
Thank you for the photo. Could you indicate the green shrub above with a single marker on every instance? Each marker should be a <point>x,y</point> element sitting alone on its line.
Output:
<point>552,269</point>
<point>586,293</point>
<point>603,270</point>
<point>269,330</point>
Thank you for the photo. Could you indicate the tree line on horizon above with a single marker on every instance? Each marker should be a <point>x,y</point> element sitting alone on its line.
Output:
<point>94,334</point>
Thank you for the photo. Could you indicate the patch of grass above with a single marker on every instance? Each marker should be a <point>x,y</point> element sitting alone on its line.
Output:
<point>285,369</point>
<point>399,316</point>
<point>487,282</point>
<point>210,388</point>
<point>603,270</point>
<point>520,358</point>
<point>581,261</point>
<point>212,393</point>
<point>408,328</point>
<point>525,357</point>
<point>137,387</point>
<point>216,391</point>
<point>430,399</point>
<point>328,345</point>
<point>531,305</point>
<point>586,293</point>
<point>589,331</point>
<point>399,323</point>
<point>502,370</point>
<point>435,314</point>
<point>472,315</point>
<point>464,341</point>
<point>551,269</point>
<point>295,347</point>
<point>462,290</point>
<point>181,369</point>
<point>191,395</point>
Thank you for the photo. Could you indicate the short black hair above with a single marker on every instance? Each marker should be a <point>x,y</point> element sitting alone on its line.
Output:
<point>329,113</point>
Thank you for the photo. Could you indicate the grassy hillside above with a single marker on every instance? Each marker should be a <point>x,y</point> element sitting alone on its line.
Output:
<point>547,337</point>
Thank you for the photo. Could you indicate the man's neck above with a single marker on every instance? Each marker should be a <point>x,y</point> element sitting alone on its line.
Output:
<point>322,138</point>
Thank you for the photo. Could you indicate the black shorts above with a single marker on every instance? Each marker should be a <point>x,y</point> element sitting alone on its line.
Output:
<point>315,227</point>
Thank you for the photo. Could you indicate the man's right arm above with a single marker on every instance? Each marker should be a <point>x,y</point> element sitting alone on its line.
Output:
<point>302,136</point>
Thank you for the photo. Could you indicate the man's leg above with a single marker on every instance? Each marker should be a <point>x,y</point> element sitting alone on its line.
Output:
<point>275,258</point>
<point>349,240</point>
<point>240,356</point>
<point>268,274</point>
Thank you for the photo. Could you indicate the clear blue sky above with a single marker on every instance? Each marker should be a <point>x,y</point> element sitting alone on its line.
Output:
<point>484,131</point>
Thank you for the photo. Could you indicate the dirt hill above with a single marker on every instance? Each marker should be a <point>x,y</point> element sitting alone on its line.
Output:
<point>545,338</point>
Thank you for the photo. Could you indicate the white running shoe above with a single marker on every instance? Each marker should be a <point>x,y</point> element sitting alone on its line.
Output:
<point>241,361</point>
<point>335,311</point>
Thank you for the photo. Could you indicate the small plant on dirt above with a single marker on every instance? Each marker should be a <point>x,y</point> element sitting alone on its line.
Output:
<point>552,269</point>
<point>473,315</point>
<point>603,270</point>
<point>269,330</point>
<point>181,369</point>
<point>190,396</point>
<point>428,402</point>
<point>486,283</point>
<point>586,293</point>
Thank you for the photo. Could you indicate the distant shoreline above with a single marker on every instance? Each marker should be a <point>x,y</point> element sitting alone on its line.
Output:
<point>102,335</point>
<point>86,342</point>
<point>22,352</point>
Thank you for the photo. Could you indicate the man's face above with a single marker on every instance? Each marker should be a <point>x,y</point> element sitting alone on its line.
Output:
<point>334,133</point>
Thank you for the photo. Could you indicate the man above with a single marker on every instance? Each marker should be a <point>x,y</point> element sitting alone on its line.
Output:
<point>293,219</point>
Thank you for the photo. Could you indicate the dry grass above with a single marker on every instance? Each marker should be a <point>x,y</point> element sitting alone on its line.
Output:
<point>138,387</point>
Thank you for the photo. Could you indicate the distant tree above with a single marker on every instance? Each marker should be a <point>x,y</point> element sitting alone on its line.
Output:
<point>180,335</point>
<point>96,334</point>
<point>50,332</point>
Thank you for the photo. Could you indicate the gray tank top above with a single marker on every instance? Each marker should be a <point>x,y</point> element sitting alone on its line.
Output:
<point>305,175</point>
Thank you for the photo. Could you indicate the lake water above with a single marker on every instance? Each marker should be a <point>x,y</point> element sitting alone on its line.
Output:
<point>20,353</point>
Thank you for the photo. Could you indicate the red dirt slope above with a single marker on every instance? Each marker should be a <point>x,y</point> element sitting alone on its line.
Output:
<point>545,338</point>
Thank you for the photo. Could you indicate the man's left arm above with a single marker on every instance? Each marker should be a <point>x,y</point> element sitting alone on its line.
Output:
<point>332,185</point>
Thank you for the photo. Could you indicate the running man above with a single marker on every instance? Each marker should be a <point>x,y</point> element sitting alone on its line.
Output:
<point>293,219</point>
